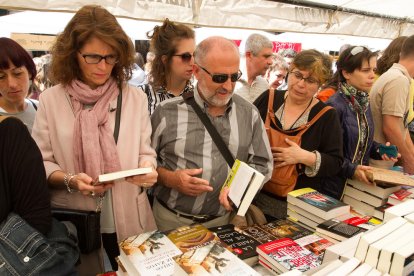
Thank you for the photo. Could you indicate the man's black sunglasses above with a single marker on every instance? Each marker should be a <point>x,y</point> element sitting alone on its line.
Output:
<point>185,57</point>
<point>222,78</point>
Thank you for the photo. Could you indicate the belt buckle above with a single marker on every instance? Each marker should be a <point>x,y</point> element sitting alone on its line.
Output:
<point>198,218</point>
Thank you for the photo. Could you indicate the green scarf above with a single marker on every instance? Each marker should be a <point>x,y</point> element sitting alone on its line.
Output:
<point>357,100</point>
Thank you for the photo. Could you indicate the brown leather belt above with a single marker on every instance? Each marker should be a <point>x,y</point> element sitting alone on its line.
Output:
<point>194,218</point>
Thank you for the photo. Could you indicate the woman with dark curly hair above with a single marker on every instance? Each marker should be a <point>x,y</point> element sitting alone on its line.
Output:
<point>93,123</point>
<point>171,71</point>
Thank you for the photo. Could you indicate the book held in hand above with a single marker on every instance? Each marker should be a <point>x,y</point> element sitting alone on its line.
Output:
<point>121,174</point>
<point>243,182</point>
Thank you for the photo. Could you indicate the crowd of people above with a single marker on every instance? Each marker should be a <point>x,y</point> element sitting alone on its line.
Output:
<point>288,116</point>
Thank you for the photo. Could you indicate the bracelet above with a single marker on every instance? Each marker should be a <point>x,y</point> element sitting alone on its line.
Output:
<point>66,180</point>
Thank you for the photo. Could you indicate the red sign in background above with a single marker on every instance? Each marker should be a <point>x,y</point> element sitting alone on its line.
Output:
<point>280,45</point>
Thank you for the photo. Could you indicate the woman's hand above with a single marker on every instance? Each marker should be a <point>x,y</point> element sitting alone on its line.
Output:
<point>360,174</point>
<point>85,184</point>
<point>293,154</point>
<point>388,158</point>
<point>144,180</point>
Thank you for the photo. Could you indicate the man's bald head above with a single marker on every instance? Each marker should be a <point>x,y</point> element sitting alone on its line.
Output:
<point>212,45</point>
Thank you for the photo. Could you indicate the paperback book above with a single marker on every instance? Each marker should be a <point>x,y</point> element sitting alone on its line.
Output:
<point>315,202</point>
<point>148,254</point>
<point>243,245</point>
<point>284,228</point>
<point>338,230</point>
<point>285,254</point>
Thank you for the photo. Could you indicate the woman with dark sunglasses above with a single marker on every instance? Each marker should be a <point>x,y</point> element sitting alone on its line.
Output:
<point>319,154</point>
<point>355,75</point>
<point>172,68</point>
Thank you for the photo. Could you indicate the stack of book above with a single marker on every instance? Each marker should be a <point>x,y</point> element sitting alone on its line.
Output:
<point>309,208</point>
<point>386,249</point>
<point>370,200</point>
<point>400,196</point>
<point>405,210</point>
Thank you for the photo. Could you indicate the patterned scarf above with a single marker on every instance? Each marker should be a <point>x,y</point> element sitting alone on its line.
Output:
<point>93,142</point>
<point>358,100</point>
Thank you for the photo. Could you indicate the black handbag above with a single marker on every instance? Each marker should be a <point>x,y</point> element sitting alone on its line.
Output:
<point>87,224</point>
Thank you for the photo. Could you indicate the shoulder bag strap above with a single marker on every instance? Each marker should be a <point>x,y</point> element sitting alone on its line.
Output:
<point>218,140</point>
<point>34,105</point>
<point>270,112</point>
<point>118,114</point>
<point>314,119</point>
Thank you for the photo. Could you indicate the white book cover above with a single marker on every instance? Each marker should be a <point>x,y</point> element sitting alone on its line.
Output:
<point>399,210</point>
<point>361,270</point>
<point>325,268</point>
<point>150,253</point>
<point>403,260</point>
<point>346,268</point>
<point>375,234</point>
<point>375,248</point>
<point>364,196</point>
<point>122,174</point>
<point>335,251</point>
<point>243,182</point>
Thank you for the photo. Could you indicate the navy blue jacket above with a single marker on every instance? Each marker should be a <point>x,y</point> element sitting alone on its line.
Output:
<point>350,134</point>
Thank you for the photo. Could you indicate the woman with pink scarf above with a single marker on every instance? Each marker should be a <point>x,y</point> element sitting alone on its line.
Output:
<point>92,122</point>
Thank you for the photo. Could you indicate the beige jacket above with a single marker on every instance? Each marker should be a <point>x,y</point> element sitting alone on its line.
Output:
<point>52,130</point>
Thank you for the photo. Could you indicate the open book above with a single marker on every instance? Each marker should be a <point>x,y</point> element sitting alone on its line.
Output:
<point>244,182</point>
<point>121,174</point>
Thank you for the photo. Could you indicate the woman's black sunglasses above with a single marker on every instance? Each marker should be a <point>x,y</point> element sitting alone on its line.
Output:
<point>222,78</point>
<point>185,57</point>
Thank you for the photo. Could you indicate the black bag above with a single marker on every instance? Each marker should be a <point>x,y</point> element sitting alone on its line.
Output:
<point>87,224</point>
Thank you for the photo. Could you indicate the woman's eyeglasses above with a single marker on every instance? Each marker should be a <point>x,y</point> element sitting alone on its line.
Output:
<point>309,80</point>
<point>185,57</point>
<point>222,78</point>
<point>95,59</point>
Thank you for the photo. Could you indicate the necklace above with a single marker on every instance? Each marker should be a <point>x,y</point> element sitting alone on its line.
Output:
<point>283,110</point>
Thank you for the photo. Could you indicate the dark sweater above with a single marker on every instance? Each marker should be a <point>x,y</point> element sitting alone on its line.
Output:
<point>324,136</point>
<point>23,187</point>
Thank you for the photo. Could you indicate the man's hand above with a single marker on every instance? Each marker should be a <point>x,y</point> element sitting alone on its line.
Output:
<point>360,174</point>
<point>224,199</point>
<point>186,183</point>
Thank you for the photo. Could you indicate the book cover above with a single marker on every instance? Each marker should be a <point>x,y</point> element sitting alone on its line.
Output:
<point>212,259</point>
<point>322,205</point>
<point>192,236</point>
<point>121,174</point>
<point>286,255</point>
<point>389,176</point>
<point>399,210</point>
<point>243,245</point>
<point>259,233</point>
<point>149,254</point>
<point>399,196</point>
<point>284,228</point>
<point>338,229</point>
<point>243,182</point>
<point>315,244</point>
<point>365,222</point>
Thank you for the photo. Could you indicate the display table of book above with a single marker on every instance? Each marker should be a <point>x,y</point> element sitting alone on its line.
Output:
<point>321,236</point>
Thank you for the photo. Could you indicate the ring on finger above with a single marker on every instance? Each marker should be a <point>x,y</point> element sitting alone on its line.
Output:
<point>92,193</point>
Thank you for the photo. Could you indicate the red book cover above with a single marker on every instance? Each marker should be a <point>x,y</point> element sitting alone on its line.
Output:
<point>286,255</point>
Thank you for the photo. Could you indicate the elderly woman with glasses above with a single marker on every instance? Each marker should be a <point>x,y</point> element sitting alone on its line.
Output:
<point>320,153</point>
<point>93,123</point>
<point>355,75</point>
<point>171,70</point>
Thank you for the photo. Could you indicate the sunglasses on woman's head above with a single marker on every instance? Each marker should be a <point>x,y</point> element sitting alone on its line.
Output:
<point>222,78</point>
<point>185,57</point>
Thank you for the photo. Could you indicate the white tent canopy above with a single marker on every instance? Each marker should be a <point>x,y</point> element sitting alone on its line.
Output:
<point>323,17</point>
<point>35,22</point>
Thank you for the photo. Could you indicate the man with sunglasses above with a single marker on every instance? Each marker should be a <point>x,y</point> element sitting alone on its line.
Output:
<point>390,103</point>
<point>258,54</point>
<point>191,168</point>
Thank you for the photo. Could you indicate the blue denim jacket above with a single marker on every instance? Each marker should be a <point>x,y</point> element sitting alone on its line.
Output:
<point>25,251</point>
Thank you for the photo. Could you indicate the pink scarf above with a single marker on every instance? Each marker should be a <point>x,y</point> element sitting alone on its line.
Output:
<point>93,142</point>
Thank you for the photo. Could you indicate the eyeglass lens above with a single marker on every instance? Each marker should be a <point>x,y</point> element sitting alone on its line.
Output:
<point>95,59</point>
<point>185,57</point>
<point>300,77</point>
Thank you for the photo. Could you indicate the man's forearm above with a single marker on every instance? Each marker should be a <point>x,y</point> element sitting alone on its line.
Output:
<point>166,177</point>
